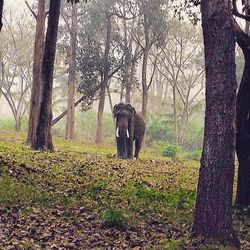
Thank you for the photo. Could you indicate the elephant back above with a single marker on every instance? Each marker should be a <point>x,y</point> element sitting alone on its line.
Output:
<point>139,125</point>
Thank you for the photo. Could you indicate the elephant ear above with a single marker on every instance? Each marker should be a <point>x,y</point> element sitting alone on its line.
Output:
<point>131,108</point>
<point>117,108</point>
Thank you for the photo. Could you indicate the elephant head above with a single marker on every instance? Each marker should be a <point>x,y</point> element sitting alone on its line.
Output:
<point>125,116</point>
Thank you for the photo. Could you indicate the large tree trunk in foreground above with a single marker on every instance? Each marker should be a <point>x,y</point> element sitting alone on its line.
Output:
<point>243,124</point>
<point>37,67</point>
<point>42,138</point>
<point>213,211</point>
<point>70,124</point>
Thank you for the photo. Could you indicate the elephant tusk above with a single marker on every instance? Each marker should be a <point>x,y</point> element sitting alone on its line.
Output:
<point>117,132</point>
<point>127,133</point>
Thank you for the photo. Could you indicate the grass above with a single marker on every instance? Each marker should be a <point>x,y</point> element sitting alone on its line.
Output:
<point>125,194</point>
<point>114,218</point>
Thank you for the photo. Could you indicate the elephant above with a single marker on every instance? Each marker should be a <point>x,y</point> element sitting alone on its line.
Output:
<point>130,127</point>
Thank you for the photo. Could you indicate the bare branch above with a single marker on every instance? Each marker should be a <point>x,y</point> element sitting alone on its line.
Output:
<point>237,13</point>
<point>32,11</point>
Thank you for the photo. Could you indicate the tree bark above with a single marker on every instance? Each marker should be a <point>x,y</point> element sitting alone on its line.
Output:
<point>144,69</point>
<point>104,83</point>
<point>37,66</point>
<point>1,14</point>
<point>42,138</point>
<point>183,125</point>
<point>247,12</point>
<point>213,210</point>
<point>17,124</point>
<point>72,78</point>
<point>175,113</point>
<point>243,124</point>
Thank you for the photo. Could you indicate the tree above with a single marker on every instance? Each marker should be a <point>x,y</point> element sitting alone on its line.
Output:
<point>182,66</point>
<point>153,23</point>
<point>213,210</point>
<point>15,60</point>
<point>102,54</point>
<point>1,14</point>
<point>130,49</point>
<point>72,28</point>
<point>104,82</point>
<point>37,67</point>
<point>242,111</point>
<point>42,138</point>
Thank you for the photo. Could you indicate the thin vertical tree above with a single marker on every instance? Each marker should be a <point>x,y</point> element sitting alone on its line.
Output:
<point>42,138</point>
<point>104,82</point>
<point>213,210</point>
<point>70,122</point>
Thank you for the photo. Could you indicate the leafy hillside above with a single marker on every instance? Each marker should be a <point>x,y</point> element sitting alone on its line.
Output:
<point>82,197</point>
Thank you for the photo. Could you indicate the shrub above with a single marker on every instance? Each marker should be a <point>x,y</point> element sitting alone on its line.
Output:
<point>170,150</point>
<point>194,155</point>
<point>114,218</point>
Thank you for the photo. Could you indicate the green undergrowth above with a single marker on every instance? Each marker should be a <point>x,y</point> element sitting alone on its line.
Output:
<point>81,175</point>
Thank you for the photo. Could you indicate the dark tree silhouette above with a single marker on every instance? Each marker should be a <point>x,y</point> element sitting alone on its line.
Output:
<point>37,67</point>
<point>243,113</point>
<point>42,138</point>
<point>213,211</point>
<point>1,14</point>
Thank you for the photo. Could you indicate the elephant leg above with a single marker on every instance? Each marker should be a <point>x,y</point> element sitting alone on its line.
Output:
<point>121,149</point>
<point>138,142</point>
<point>130,149</point>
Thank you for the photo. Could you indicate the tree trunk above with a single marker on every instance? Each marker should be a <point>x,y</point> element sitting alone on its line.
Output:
<point>104,83</point>
<point>144,85</point>
<point>243,125</point>
<point>42,138</point>
<point>213,211</point>
<point>72,78</point>
<point>37,66</point>
<point>58,118</point>
<point>175,113</point>
<point>99,132</point>
<point>126,70</point>
<point>1,14</point>
<point>144,70</point>
<point>130,83</point>
<point>110,104</point>
<point>247,12</point>
<point>183,125</point>
<point>17,124</point>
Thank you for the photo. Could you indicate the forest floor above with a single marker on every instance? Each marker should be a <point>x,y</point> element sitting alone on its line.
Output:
<point>82,197</point>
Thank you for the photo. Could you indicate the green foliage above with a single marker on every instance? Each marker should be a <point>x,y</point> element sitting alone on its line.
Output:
<point>7,124</point>
<point>96,188</point>
<point>173,245</point>
<point>159,129</point>
<point>170,150</point>
<point>194,155</point>
<point>80,182</point>
<point>187,9</point>
<point>194,133</point>
<point>90,64</point>
<point>114,218</point>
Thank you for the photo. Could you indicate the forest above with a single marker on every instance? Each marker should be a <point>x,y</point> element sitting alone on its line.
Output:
<point>124,124</point>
